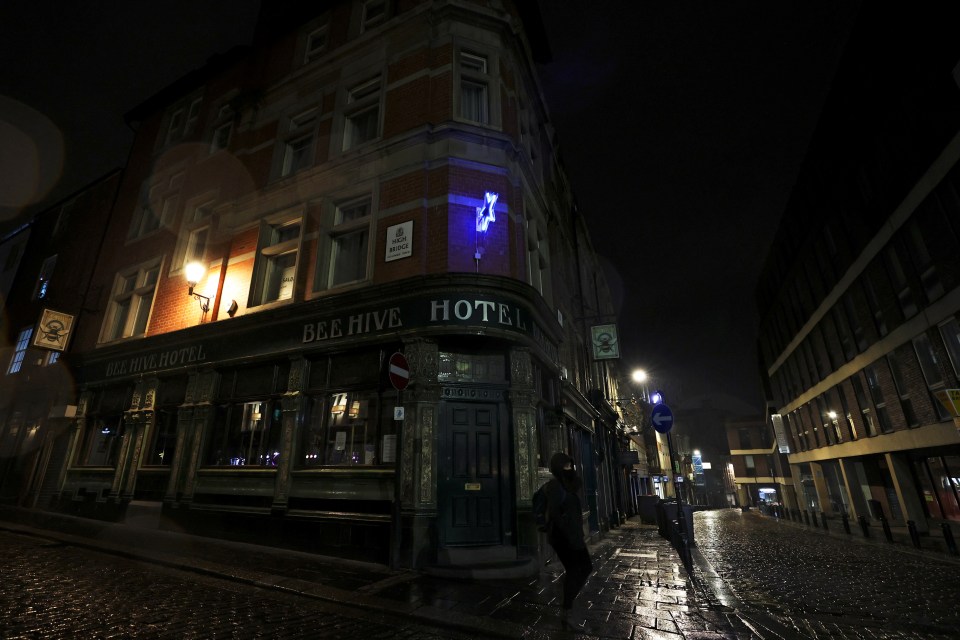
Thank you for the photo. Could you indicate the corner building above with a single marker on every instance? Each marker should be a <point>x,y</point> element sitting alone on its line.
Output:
<point>860,297</point>
<point>368,178</point>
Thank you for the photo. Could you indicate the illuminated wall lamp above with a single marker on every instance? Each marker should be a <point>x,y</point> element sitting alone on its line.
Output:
<point>194,273</point>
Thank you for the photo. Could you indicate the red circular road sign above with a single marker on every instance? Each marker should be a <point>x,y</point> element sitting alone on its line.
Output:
<point>399,371</point>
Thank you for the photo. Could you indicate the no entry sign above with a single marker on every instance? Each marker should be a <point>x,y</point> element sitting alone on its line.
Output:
<point>398,371</point>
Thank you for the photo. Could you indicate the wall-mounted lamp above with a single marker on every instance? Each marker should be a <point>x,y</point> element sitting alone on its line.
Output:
<point>194,273</point>
<point>232,309</point>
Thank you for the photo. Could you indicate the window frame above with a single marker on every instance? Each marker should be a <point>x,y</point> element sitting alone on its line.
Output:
<point>476,66</point>
<point>274,250</point>
<point>142,286</point>
<point>301,127</point>
<point>20,348</point>
<point>334,228</point>
<point>361,98</point>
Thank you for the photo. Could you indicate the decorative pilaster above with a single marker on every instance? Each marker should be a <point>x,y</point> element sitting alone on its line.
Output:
<point>292,404</point>
<point>192,419</point>
<point>418,482</point>
<point>523,402</point>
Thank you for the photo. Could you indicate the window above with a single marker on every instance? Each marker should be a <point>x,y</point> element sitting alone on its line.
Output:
<point>63,218</point>
<point>929,278</point>
<point>349,243</point>
<point>930,366</point>
<point>277,261</point>
<point>175,126</point>
<point>221,137</point>
<point>316,44</point>
<point>247,423</point>
<point>298,148</point>
<point>104,430</point>
<point>746,442</point>
<point>43,279</point>
<point>876,393</point>
<point>538,257</point>
<point>374,13</point>
<point>474,82</point>
<point>162,438</point>
<point>352,428</point>
<point>901,285</point>
<point>896,370</point>
<point>20,350</point>
<point>193,114</point>
<point>864,403</point>
<point>157,208</point>
<point>362,114</point>
<point>130,302</point>
<point>873,301</point>
<point>950,331</point>
<point>843,333</point>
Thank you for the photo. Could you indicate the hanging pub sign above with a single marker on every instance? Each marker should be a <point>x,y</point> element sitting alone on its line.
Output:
<point>606,345</point>
<point>53,331</point>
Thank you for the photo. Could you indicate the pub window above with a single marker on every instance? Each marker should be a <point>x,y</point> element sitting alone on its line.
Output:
<point>163,438</point>
<point>249,416</point>
<point>100,446</point>
<point>350,422</point>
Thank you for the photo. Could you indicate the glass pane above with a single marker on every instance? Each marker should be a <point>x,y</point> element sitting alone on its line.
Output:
<point>120,314</point>
<point>473,101</point>
<point>349,257</point>
<point>143,314</point>
<point>280,276</point>
<point>928,360</point>
<point>950,331</point>
<point>352,212</point>
<point>351,435</point>
<point>361,127</point>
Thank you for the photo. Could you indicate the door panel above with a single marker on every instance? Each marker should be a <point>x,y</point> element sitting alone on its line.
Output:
<point>469,491</point>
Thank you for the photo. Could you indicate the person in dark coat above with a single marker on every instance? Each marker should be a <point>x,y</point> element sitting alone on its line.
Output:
<point>565,528</point>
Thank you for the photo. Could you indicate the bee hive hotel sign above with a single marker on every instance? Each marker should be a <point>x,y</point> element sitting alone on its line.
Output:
<point>476,311</point>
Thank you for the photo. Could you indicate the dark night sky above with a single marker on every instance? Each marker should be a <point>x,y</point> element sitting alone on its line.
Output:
<point>682,126</point>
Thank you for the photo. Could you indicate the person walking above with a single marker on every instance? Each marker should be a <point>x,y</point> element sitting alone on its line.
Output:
<point>565,529</point>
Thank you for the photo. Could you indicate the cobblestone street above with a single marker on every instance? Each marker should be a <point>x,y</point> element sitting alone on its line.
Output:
<point>51,591</point>
<point>819,585</point>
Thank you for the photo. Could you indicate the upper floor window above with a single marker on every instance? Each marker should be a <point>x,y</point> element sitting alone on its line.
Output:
<point>930,365</point>
<point>316,44</point>
<point>223,129</point>
<point>901,285</point>
<point>196,232</point>
<point>538,256</point>
<point>903,391</point>
<point>299,144</point>
<point>130,302</point>
<point>276,268</point>
<point>929,278</point>
<point>374,13</point>
<point>43,278</point>
<point>348,244</point>
<point>182,120</point>
<point>474,88</point>
<point>950,330</point>
<point>362,114</point>
<point>63,219</point>
<point>20,350</point>
<point>157,208</point>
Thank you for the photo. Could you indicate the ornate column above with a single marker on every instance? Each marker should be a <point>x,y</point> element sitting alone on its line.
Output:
<point>418,462</point>
<point>142,418</point>
<point>192,419</point>
<point>292,405</point>
<point>523,403</point>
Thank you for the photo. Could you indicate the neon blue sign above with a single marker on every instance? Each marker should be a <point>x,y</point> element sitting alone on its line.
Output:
<point>486,213</point>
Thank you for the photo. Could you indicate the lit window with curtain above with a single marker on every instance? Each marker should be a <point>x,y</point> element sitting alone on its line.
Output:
<point>276,267</point>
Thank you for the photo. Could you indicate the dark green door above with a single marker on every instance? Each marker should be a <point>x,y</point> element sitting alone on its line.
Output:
<point>470,475</point>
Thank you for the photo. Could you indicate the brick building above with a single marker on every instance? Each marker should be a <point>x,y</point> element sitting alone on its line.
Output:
<point>860,295</point>
<point>369,177</point>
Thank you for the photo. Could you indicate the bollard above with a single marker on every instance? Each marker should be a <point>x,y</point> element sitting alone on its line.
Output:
<point>823,517</point>
<point>846,523</point>
<point>813,516</point>
<point>806,517</point>
<point>886,528</point>
<point>914,534</point>
<point>948,538</point>
<point>864,525</point>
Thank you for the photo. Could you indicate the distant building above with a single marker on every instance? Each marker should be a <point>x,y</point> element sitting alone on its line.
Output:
<point>760,473</point>
<point>369,178</point>
<point>860,296</point>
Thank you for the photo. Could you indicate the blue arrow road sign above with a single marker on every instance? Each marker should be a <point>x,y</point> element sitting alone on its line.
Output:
<point>662,418</point>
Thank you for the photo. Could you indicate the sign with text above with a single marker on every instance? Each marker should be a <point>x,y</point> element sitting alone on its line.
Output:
<point>399,242</point>
<point>950,398</point>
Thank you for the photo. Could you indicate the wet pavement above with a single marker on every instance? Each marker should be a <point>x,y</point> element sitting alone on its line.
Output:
<point>794,581</point>
<point>639,589</point>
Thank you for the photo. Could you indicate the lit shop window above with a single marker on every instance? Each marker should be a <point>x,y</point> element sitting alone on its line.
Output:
<point>246,434</point>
